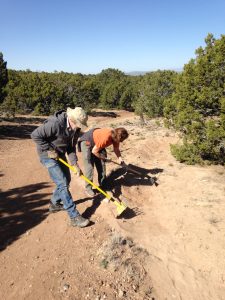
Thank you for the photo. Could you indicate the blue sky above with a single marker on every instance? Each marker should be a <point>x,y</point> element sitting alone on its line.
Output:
<point>87,36</point>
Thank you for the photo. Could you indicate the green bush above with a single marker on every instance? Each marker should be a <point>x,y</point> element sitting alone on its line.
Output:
<point>186,153</point>
<point>197,107</point>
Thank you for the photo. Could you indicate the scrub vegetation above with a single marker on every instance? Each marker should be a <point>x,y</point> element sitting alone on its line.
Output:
<point>192,101</point>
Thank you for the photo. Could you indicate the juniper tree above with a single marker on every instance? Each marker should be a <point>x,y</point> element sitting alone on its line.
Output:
<point>197,106</point>
<point>3,77</point>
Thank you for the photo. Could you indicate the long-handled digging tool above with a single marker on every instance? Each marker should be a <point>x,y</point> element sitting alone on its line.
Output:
<point>120,206</point>
<point>128,168</point>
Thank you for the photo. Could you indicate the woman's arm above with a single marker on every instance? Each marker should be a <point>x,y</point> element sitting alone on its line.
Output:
<point>118,154</point>
<point>95,151</point>
<point>117,150</point>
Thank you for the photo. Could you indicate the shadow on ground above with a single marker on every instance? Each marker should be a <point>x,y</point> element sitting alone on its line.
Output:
<point>13,132</point>
<point>145,172</point>
<point>126,177</point>
<point>128,213</point>
<point>103,114</point>
<point>22,120</point>
<point>95,202</point>
<point>21,209</point>
<point>115,180</point>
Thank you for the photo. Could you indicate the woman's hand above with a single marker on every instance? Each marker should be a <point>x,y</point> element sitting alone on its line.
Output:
<point>121,161</point>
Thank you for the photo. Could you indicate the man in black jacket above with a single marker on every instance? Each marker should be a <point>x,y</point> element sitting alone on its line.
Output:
<point>54,138</point>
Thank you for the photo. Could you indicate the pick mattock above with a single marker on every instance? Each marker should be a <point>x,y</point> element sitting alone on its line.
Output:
<point>128,168</point>
<point>120,206</point>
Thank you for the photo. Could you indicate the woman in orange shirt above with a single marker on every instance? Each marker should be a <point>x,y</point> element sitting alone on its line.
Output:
<point>93,144</point>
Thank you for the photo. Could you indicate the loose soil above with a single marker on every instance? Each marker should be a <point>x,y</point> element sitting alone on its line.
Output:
<point>169,245</point>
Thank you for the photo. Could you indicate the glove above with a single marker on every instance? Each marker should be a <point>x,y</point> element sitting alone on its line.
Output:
<point>78,170</point>
<point>52,154</point>
<point>123,163</point>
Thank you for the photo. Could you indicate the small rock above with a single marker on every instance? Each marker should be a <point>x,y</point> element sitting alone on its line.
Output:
<point>121,294</point>
<point>66,287</point>
<point>134,287</point>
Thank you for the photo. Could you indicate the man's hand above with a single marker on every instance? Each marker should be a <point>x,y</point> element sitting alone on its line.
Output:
<point>52,154</point>
<point>78,170</point>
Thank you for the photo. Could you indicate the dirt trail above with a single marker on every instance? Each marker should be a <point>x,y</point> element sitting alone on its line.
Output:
<point>180,223</point>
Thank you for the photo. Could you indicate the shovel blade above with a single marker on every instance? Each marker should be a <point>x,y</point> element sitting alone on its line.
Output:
<point>120,208</point>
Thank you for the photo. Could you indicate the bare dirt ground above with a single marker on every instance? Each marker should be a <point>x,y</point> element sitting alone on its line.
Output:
<point>170,244</point>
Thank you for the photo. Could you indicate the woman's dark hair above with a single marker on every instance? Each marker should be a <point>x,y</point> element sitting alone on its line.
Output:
<point>119,134</point>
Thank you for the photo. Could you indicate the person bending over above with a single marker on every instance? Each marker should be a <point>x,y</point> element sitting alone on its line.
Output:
<point>92,144</point>
<point>55,138</point>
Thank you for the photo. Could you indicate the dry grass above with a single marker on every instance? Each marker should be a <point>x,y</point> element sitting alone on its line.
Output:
<point>121,254</point>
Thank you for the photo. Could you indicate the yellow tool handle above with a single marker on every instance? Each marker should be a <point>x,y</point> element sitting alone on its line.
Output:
<point>120,206</point>
<point>86,179</point>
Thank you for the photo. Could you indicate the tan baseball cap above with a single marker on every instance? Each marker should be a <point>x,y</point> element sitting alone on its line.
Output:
<point>78,115</point>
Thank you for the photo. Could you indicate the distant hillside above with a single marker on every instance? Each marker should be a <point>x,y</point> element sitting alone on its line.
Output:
<point>137,73</point>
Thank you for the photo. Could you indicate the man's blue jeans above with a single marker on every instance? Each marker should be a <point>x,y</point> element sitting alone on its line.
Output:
<point>60,175</point>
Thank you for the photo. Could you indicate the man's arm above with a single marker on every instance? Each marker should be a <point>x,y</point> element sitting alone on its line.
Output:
<point>42,135</point>
<point>72,148</point>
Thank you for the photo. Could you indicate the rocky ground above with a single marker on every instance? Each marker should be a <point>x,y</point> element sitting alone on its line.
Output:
<point>169,244</point>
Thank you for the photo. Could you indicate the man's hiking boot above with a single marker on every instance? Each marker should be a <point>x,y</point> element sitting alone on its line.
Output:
<point>79,221</point>
<point>55,207</point>
<point>89,192</point>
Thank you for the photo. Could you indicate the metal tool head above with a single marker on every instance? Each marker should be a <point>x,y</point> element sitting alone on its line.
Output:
<point>120,207</point>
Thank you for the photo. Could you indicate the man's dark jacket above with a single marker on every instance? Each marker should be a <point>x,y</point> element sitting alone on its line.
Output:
<point>55,133</point>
